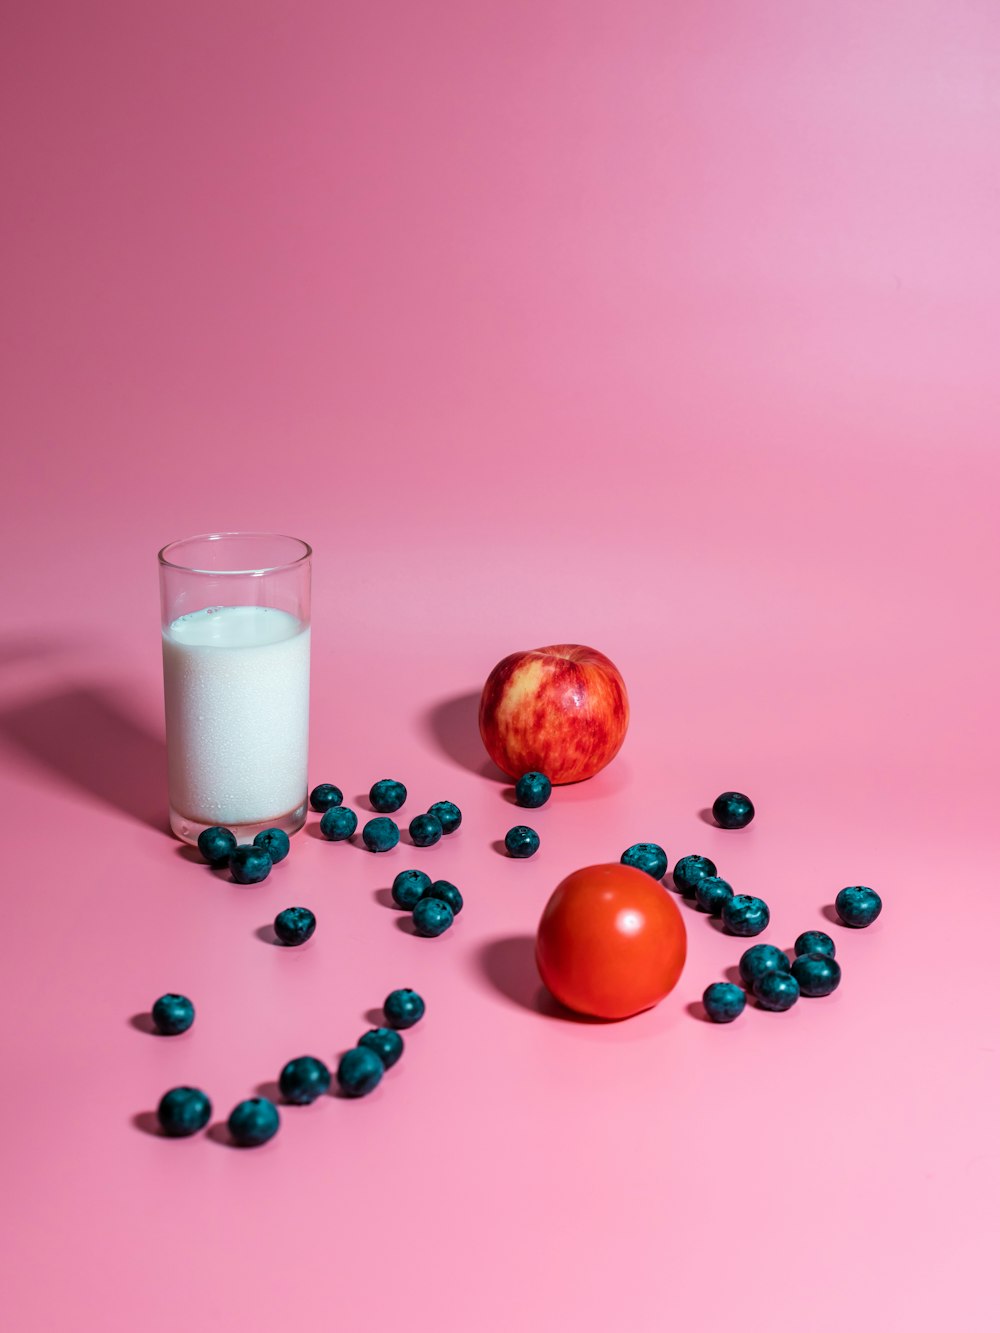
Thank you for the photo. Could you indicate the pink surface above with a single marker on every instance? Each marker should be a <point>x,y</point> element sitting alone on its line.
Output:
<point>668,328</point>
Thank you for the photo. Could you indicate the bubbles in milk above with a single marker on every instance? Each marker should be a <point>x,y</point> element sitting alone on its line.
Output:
<point>236,686</point>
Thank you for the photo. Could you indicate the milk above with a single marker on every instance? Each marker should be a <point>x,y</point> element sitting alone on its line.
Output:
<point>236,688</point>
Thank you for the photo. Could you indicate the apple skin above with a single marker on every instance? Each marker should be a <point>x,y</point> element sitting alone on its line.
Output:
<point>562,711</point>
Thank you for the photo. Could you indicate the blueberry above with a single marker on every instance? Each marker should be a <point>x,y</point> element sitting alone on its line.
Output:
<point>385,1042</point>
<point>744,915</point>
<point>408,888</point>
<point>447,814</point>
<point>762,958</point>
<point>732,810</point>
<point>817,974</point>
<point>249,864</point>
<point>777,991</point>
<point>858,906</point>
<point>403,1008</point>
<point>447,893</point>
<point>294,925</point>
<point>532,790</point>
<point>521,842</point>
<point>183,1111</point>
<point>216,845</point>
<point>303,1080</point>
<point>173,1014</point>
<point>689,870</point>
<point>712,893</point>
<point>253,1122</point>
<point>815,941</point>
<point>360,1070</point>
<point>425,830</point>
<point>275,842</point>
<point>325,797</point>
<point>648,856</point>
<point>432,917</point>
<point>380,834</point>
<point>723,1001</point>
<point>387,796</point>
<point>338,823</point>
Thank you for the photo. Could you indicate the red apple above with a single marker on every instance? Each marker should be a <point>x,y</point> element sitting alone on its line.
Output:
<point>561,711</point>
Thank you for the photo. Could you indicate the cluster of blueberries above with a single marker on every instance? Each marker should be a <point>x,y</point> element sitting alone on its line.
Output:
<point>777,984</point>
<point>774,982</point>
<point>250,862</point>
<point>184,1111</point>
<point>433,904</point>
<point>381,834</point>
<point>696,877</point>
<point>217,845</point>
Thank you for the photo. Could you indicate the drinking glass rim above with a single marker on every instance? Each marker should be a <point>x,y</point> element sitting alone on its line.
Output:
<point>165,551</point>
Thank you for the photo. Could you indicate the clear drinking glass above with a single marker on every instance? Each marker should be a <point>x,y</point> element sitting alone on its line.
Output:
<point>235,617</point>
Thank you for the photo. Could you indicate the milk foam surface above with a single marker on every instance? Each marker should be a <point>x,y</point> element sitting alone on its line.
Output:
<point>236,688</point>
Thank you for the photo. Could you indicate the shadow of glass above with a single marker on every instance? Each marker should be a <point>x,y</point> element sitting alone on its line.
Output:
<point>28,648</point>
<point>83,737</point>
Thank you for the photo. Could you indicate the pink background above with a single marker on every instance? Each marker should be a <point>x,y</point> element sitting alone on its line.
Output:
<point>666,327</point>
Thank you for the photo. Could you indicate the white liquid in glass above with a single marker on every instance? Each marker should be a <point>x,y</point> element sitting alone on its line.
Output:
<point>236,687</point>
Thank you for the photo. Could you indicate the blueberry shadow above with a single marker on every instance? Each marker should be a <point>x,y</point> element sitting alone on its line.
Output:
<point>733,974</point>
<point>830,913</point>
<point>375,1017</point>
<point>192,856</point>
<point>508,965</point>
<point>453,726</point>
<point>272,1091</point>
<point>385,899</point>
<point>312,830</point>
<point>144,1023</point>
<point>707,817</point>
<point>147,1123</point>
<point>219,1133</point>
<point>500,846</point>
<point>404,923</point>
<point>84,738</point>
<point>266,933</point>
<point>697,1010</point>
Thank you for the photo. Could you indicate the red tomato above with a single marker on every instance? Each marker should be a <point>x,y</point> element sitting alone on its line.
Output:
<point>611,941</point>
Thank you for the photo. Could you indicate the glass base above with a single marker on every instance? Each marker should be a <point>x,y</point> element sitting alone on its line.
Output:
<point>188,829</point>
